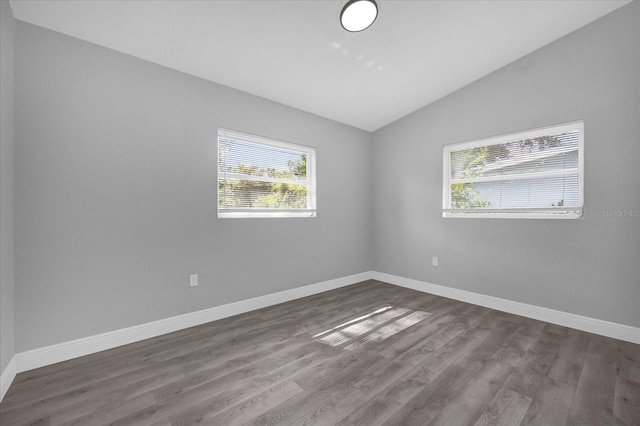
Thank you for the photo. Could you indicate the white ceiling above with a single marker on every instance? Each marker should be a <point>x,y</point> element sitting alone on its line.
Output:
<point>296,52</point>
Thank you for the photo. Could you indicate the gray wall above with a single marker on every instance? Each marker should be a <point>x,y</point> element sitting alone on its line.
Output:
<point>589,267</point>
<point>115,180</point>
<point>7,144</point>
<point>116,194</point>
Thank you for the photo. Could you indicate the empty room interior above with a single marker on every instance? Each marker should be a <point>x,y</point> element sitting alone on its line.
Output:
<point>320,212</point>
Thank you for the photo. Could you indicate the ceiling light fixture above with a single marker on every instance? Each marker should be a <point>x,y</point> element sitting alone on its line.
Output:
<point>358,15</point>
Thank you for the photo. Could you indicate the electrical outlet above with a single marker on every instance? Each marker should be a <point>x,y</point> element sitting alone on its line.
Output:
<point>193,280</point>
<point>434,261</point>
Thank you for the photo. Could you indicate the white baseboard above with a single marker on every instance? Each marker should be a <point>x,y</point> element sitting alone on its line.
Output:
<point>68,350</point>
<point>7,377</point>
<point>579,322</point>
<point>48,355</point>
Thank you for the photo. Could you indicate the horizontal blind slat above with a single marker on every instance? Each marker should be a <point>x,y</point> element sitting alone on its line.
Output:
<point>241,176</point>
<point>520,176</point>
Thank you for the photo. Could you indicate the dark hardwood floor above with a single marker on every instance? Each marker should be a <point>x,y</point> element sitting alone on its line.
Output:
<point>366,354</point>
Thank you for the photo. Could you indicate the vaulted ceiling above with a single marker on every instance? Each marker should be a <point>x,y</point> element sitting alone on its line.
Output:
<point>296,52</point>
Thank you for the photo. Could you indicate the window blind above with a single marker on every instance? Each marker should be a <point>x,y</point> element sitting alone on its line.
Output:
<point>262,177</point>
<point>536,173</point>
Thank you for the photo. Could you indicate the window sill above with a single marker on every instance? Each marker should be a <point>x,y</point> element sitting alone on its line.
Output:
<point>265,214</point>
<point>525,214</point>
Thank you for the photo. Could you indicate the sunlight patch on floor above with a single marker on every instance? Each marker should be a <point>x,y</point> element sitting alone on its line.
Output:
<point>369,315</point>
<point>364,326</point>
<point>373,327</point>
<point>389,330</point>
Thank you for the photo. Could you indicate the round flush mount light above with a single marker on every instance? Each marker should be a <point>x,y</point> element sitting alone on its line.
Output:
<point>358,15</point>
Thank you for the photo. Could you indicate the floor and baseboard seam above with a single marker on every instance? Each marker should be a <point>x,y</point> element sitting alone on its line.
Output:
<point>48,355</point>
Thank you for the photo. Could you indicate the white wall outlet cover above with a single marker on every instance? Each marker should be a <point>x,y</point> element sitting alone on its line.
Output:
<point>193,280</point>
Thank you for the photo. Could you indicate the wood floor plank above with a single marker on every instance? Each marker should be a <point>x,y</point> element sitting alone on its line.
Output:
<point>568,364</point>
<point>514,348</point>
<point>435,362</point>
<point>430,398</point>
<point>426,406</point>
<point>394,356</point>
<point>70,379</point>
<point>440,375</point>
<point>629,361</point>
<point>317,407</point>
<point>295,352</point>
<point>593,400</point>
<point>442,312</point>
<point>626,403</point>
<point>443,374</point>
<point>193,363</point>
<point>244,412</point>
<point>467,319</point>
<point>323,394</point>
<point>132,350</point>
<point>324,372</point>
<point>373,412</point>
<point>219,394</point>
<point>550,400</point>
<point>507,408</point>
<point>104,414</point>
<point>199,363</point>
<point>469,404</point>
<point>500,330</point>
<point>167,383</point>
<point>551,403</point>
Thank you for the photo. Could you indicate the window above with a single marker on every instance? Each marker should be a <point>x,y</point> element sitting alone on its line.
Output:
<point>261,177</point>
<point>532,174</point>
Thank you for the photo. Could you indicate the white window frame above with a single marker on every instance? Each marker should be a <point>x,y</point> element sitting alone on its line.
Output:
<point>310,182</point>
<point>523,213</point>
